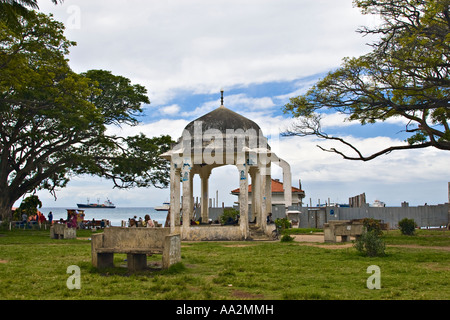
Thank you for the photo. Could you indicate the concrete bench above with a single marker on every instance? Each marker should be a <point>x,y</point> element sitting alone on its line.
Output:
<point>137,243</point>
<point>61,231</point>
<point>343,228</point>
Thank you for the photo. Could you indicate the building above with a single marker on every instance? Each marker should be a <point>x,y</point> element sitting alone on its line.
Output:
<point>277,194</point>
<point>223,137</point>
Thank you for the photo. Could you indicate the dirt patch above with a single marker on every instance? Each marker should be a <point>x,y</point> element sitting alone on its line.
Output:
<point>246,295</point>
<point>4,261</point>
<point>312,237</point>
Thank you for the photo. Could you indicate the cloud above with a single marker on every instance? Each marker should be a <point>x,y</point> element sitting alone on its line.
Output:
<point>203,45</point>
<point>180,49</point>
<point>170,110</point>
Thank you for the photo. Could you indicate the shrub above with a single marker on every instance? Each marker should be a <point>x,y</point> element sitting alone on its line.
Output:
<point>229,215</point>
<point>287,238</point>
<point>407,226</point>
<point>372,225</point>
<point>370,244</point>
<point>282,224</point>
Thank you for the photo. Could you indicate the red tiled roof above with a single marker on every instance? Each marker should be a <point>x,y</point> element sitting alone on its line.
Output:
<point>277,186</point>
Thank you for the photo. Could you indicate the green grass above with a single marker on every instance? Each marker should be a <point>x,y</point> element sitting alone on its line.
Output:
<point>33,266</point>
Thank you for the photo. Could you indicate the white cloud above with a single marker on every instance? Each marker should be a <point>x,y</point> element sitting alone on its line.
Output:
<point>203,45</point>
<point>200,46</point>
<point>170,110</point>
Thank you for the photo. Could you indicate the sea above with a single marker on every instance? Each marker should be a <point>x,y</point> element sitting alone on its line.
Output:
<point>114,215</point>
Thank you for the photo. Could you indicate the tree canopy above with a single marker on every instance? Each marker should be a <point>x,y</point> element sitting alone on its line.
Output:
<point>55,121</point>
<point>405,75</point>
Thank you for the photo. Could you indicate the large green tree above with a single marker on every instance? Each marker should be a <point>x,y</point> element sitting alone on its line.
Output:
<point>55,121</point>
<point>406,75</point>
<point>11,10</point>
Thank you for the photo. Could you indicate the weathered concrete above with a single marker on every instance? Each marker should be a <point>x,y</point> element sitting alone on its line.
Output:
<point>61,231</point>
<point>137,243</point>
<point>425,216</point>
<point>214,233</point>
<point>343,228</point>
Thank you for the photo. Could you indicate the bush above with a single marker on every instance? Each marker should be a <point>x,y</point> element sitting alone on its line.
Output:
<point>407,226</point>
<point>372,225</point>
<point>229,216</point>
<point>370,244</point>
<point>282,224</point>
<point>287,238</point>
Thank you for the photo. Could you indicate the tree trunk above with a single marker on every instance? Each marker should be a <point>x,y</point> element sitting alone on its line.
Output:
<point>5,207</point>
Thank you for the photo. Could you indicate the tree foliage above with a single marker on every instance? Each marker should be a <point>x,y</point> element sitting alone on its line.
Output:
<point>55,121</point>
<point>405,75</point>
<point>11,10</point>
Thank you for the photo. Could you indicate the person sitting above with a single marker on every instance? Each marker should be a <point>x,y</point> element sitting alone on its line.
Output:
<point>149,222</point>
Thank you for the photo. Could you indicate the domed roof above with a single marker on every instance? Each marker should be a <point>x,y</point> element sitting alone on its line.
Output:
<point>222,119</point>
<point>234,128</point>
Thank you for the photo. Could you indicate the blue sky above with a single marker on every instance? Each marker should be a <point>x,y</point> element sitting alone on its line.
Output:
<point>261,52</point>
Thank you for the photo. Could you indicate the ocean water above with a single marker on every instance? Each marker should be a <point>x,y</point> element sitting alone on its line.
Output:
<point>115,216</point>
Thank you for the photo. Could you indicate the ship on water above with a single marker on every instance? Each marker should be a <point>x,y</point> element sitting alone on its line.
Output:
<point>165,207</point>
<point>106,205</point>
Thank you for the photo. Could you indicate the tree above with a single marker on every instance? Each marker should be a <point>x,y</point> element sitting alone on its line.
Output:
<point>11,10</point>
<point>55,121</point>
<point>406,75</point>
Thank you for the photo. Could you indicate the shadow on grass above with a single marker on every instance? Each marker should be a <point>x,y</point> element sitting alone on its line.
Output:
<point>153,269</point>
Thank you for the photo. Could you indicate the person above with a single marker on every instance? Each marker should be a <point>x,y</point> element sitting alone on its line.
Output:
<point>167,223</point>
<point>50,217</point>
<point>72,223</point>
<point>269,218</point>
<point>149,221</point>
<point>24,219</point>
<point>41,219</point>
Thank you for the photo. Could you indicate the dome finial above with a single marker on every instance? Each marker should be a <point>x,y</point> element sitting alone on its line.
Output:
<point>221,97</point>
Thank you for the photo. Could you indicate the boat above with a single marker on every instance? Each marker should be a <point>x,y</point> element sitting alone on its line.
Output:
<point>106,205</point>
<point>378,204</point>
<point>165,207</point>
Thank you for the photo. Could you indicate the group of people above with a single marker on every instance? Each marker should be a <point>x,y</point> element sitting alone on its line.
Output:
<point>38,218</point>
<point>147,222</point>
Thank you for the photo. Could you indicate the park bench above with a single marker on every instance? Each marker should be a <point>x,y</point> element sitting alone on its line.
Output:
<point>137,243</point>
<point>342,228</point>
<point>61,231</point>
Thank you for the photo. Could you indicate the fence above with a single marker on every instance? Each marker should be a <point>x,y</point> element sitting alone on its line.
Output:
<point>424,216</point>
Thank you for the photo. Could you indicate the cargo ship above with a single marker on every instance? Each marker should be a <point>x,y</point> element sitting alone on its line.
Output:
<point>106,205</point>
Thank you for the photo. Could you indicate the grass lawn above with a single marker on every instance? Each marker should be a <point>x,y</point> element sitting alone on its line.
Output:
<point>33,266</point>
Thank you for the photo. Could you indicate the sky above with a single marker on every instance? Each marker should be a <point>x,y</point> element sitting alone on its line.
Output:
<point>261,53</point>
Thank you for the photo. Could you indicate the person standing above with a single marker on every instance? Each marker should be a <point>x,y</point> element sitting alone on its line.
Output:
<point>50,217</point>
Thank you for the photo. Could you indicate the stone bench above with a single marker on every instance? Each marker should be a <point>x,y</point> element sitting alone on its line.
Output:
<point>137,243</point>
<point>61,231</point>
<point>342,228</point>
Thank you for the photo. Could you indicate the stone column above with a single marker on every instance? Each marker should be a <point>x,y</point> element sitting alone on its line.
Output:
<point>187,196</point>
<point>174,196</point>
<point>267,194</point>
<point>243,200</point>
<point>204,177</point>
<point>264,172</point>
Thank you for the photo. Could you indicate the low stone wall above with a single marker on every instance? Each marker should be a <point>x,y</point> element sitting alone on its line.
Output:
<point>212,233</point>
